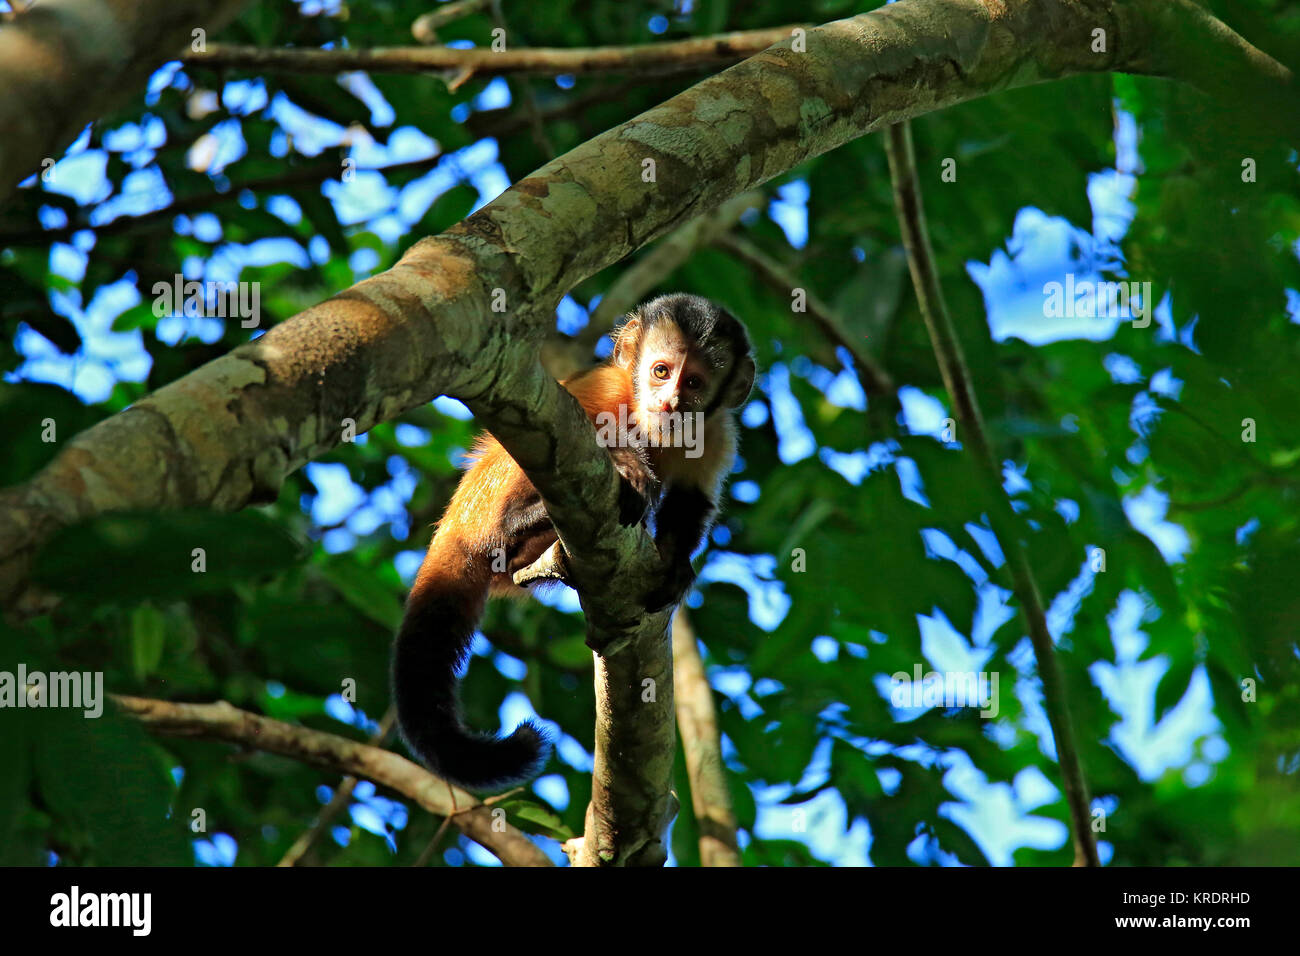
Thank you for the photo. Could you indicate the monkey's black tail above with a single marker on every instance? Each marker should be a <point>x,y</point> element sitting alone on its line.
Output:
<point>432,645</point>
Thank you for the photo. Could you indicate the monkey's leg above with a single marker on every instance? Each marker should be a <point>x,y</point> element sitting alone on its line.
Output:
<point>528,532</point>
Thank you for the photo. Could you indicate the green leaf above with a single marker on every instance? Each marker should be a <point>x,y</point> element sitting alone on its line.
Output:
<point>532,817</point>
<point>124,558</point>
<point>365,590</point>
<point>148,632</point>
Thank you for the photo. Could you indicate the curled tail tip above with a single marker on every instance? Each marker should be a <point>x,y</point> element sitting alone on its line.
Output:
<point>477,762</point>
<point>430,647</point>
<point>533,735</point>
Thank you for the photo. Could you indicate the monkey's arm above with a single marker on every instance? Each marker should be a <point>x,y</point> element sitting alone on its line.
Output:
<point>637,485</point>
<point>682,521</point>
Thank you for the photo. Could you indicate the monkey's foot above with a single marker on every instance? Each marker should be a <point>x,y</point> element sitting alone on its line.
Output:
<point>553,565</point>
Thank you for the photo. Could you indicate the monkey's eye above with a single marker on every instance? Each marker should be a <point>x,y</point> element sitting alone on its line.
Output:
<point>694,382</point>
<point>661,370</point>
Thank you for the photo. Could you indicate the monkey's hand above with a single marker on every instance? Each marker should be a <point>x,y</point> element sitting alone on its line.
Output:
<point>670,593</point>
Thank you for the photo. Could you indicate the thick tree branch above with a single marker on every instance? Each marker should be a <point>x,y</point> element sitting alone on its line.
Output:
<point>672,56</point>
<point>64,63</point>
<point>1184,41</point>
<point>698,721</point>
<point>221,721</point>
<point>957,380</point>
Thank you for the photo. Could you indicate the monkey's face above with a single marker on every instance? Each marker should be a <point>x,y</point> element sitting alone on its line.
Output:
<point>674,380</point>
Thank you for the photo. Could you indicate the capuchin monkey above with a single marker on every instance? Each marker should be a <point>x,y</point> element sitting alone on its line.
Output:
<point>663,405</point>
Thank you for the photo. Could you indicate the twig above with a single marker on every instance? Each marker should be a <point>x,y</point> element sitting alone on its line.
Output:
<point>956,378</point>
<point>425,27</point>
<point>531,109</point>
<point>432,846</point>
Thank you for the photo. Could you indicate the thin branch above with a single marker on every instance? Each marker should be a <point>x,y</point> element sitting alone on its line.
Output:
<point>957,380</point>
<point>432,846</point>
<point>1275,479</point>
<point>875,379</point>
<point>425,27</point>
<point>338,802</point>
<point>698,723</point>
<point>532,110</point>
<point>221,721</point>
<point>673,56</point>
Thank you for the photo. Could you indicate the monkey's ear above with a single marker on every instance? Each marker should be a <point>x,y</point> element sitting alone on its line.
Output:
<point>626,342</point>
<point>742,382</point>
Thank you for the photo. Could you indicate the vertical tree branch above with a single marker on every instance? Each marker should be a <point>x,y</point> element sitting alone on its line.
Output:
<point>702,745</point>
<point>956,379</point>
<point>631,784</point>
<point>631,791</point>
